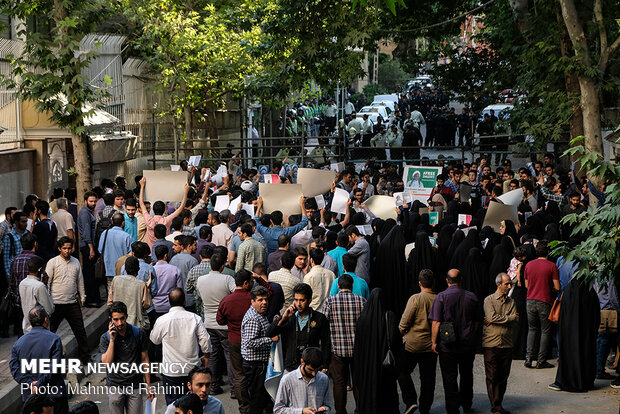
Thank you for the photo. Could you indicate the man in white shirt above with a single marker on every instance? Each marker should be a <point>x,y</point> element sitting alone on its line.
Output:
<point>213,287</point>
<point>286,279</point>
<point>330,112</point>
<point>66,287</point>
<point>349,108</point>
<point>63,220</point>
<point>222,235</point>
<point>183,335</point>
<point>319,279</point>
<point>32,291</point>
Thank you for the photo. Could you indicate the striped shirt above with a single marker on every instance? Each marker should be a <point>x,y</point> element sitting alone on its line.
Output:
<point>343,310</point>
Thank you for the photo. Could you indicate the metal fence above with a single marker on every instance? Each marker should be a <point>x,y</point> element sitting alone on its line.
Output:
<point>331,149</point>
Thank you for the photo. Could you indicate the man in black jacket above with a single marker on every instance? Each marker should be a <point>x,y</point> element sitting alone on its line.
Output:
<point>301,327</point>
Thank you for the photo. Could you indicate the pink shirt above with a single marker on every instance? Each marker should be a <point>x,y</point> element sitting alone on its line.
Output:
<point>151,222</point>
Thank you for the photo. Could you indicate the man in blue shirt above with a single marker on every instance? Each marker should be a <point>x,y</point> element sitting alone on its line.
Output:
<point>342,241</point>
<point>131,221</point>
<point>117,244</point>
<point>271,233</point>
<point>360,287</point>
<point>39,343</point>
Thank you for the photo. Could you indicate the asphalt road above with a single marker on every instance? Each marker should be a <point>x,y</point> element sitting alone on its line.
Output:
<point>527,393</point>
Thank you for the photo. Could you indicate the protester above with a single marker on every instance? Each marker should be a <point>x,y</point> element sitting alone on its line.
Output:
<point>360,287</point>
<point>32,291</point>
<point>212,288</point>
<point>541,276</point>
<point>285,278</point>
<point>250,251</point>
<point>113,244</point>
<point>66,287</point>
<point>255,348</point>
<point>342,311</point>
<point>199,381</point>
<point>319,279</point>
<point>500,316</point>
<point>415,328</point>
<point>580,312</point>
<point>124,343</point>
<point>183,336</point>
<point>132,292</point>
<point>301,327</point>
<point>40,343</point>
<point>168,278</point>
<point>306,388</point>
<point>459,308</point>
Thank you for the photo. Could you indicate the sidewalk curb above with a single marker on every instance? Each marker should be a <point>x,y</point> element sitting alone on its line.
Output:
<point>95,325</point>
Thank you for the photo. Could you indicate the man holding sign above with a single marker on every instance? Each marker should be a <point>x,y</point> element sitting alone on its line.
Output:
<point>275,229</point>
<point>158,208</point>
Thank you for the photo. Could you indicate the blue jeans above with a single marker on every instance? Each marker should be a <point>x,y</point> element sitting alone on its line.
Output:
<point>602,351</point>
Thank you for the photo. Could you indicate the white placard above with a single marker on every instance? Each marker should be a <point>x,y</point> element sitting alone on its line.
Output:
<point>512,198</point>
<point>221,203</point>
<point>174,167</point>
<point>194,160</point>
<point>248,208</point>
<point>320,201</point>
<point>339,202</point>
<point>234,204</point>
<point>337,166</point>
<point>464,219</point>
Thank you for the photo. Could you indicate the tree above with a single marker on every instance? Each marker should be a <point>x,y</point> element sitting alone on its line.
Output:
<point>598,229</point>
<point>590,41</point>
<point>196,55</point>
<point>392,77</point>
<point>49,71</point>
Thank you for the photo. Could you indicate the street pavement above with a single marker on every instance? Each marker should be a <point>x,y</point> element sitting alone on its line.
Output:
<point>527,393</point>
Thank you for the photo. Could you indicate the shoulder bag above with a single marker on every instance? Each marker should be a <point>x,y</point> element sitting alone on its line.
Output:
<point>554,314</point>
<point>447,330</point>
<point>389,362</point>
<point>100,273</point>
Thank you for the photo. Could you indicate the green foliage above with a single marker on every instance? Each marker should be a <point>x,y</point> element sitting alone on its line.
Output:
<point>392,77</point>
<point>50,68</point>
<point>196,58</point>
<point>598,254</point>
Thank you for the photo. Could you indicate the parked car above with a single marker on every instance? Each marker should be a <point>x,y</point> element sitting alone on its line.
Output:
<point>373,113</point>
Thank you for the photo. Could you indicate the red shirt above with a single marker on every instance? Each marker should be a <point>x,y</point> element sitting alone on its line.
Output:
<point>540,274</point>
<point>231,311</point>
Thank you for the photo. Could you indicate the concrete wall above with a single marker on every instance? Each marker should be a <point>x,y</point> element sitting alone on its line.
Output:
<point>16,177</point>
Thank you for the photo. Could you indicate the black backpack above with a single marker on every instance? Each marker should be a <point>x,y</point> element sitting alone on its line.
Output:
<point>103,224</point>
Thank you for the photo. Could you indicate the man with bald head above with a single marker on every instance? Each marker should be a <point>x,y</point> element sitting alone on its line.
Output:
<point>500,316</point>
<point>183,335</point>
<point>455,319</point>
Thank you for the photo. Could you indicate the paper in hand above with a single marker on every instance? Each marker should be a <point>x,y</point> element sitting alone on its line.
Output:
<point>320,201</point>
<point>174,167</point>
<point>194,160</point>
<point>221,203</point>
<point>234,204</point>
<point>339,202</point>
<point>248,208</point>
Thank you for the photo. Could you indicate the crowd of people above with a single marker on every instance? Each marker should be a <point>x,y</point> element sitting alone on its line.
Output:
<point>402,128</point>
<point>215,290</point>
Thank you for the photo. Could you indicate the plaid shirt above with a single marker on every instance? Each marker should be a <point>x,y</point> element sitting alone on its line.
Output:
<point>551,196</point>
<point>343,310</point>
<point>453,186</point>
<point>288,281</point>
<point>255,345</point>
<point>17,249</point>
<point>200,269</point>
<point>19,271</point>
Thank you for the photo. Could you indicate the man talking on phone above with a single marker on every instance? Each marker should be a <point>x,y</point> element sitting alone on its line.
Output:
<point>306,388</point>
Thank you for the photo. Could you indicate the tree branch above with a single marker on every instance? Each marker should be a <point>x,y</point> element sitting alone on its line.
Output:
<point>606,54</point>
<point>574,27</point>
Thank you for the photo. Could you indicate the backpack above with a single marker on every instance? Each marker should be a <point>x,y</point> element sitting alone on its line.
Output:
<point>104,224</point>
